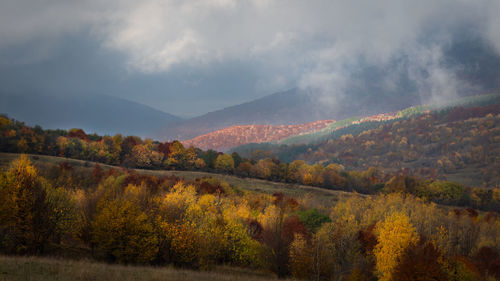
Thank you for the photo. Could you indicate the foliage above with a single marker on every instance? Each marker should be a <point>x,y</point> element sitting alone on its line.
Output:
<point>394,229</point>
<point>124,232</point>
<point>312,219</point>
<point>396,235</point>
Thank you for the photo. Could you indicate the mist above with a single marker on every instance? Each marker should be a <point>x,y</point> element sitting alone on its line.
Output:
<point>192,57</point>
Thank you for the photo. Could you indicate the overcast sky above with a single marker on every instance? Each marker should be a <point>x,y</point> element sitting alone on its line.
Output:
<point>191,57</point>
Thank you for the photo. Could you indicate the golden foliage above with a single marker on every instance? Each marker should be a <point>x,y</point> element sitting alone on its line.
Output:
<point>396,234</point>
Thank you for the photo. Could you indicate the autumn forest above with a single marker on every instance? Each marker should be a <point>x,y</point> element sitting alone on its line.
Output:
<point>400,209</point>
<point>256,140</point>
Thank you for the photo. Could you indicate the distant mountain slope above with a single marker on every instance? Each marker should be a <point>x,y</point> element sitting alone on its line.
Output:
<point>227,138</point>
<point>290,107</point>
<point>101,114</point>
<point>356,124</point>
<point>459,143</point>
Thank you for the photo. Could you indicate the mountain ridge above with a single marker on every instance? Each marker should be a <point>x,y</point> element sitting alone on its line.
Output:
<point>103,114</point>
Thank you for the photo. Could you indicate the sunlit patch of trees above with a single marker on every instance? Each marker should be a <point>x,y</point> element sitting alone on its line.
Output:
<point>123,217</point>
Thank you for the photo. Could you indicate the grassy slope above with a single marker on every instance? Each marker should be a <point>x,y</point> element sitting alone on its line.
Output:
<point>46,269</point>
<point>295,190</point>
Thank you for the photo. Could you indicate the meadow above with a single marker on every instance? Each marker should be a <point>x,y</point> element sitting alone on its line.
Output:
<point>51,269</point>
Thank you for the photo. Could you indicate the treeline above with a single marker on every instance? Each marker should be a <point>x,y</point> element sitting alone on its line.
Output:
<point>133,152</point>
<point>123,217</point>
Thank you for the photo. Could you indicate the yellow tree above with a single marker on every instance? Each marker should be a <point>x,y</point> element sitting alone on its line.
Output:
<point>225,163</point>
<point>301,257</point>
<point>25,194</point>
<point>124,232</point>
<point>396,235</point>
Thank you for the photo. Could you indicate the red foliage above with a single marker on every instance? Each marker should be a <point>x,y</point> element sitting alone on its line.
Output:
<point>420,263</point>
<point>488,260</point>
<point>78,133</point>
<point>293,225</point>
<point>164,148</point>
<point>471,213</point>
<point>154,184</point>
<point>283,201</point>
<point>207,188</point>
<point>225,139</point>
<point>97,173</point>
<point>367,238</point>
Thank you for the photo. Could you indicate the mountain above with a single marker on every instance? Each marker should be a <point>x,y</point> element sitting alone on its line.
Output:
<point>100,114</point>
<point>227,138</point>
<point>370,90</point>
<point>294,106</point>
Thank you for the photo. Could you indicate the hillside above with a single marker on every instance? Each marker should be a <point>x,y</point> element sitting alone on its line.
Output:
<point>100,114</point>
<point>356,125</point>
<point>227,138</point>
<point>100,214</point>
<point>326,196</point>
<point>458,144</point>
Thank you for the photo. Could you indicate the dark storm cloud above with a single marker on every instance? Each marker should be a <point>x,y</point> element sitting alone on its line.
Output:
<point>188,57</point>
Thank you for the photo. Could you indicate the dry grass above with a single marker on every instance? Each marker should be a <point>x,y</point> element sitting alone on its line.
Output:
<point>46,269</point>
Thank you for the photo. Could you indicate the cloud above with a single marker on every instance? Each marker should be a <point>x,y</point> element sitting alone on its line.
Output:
<point>319,45</point>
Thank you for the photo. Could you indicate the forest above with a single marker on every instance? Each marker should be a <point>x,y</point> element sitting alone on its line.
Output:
<point>426,183</point>
<point>122,216</point>
<point>398,223</point>
<point>458,144</point>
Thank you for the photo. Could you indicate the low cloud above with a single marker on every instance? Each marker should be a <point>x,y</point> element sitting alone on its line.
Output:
<point>319,46</point>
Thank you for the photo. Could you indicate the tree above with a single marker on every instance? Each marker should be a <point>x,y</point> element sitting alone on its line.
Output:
<point>199,163</point>
<point>237,159</point>
<point>29,214</point>
<point>177,155</point>
<point>224,163</point>
<point>124,232</point>
<point>301,257</point>
<point>245,168</point>
<point>421,263</point>
<point>209,157</point>
<point>279,229</point>
<point>313,219</point>
<point>62,214</point>
<point>396,235</point>
<point>191,157</point>
<point>336,248</point>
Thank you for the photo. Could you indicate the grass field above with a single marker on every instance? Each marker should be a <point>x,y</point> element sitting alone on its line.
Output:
<point>326,196</point>
<point>47,269</point>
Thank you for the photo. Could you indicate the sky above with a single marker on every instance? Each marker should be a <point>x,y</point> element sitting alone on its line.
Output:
<point>191,57</point>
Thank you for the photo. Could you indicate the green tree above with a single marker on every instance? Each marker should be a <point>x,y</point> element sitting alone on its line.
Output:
<point>313,219</point>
